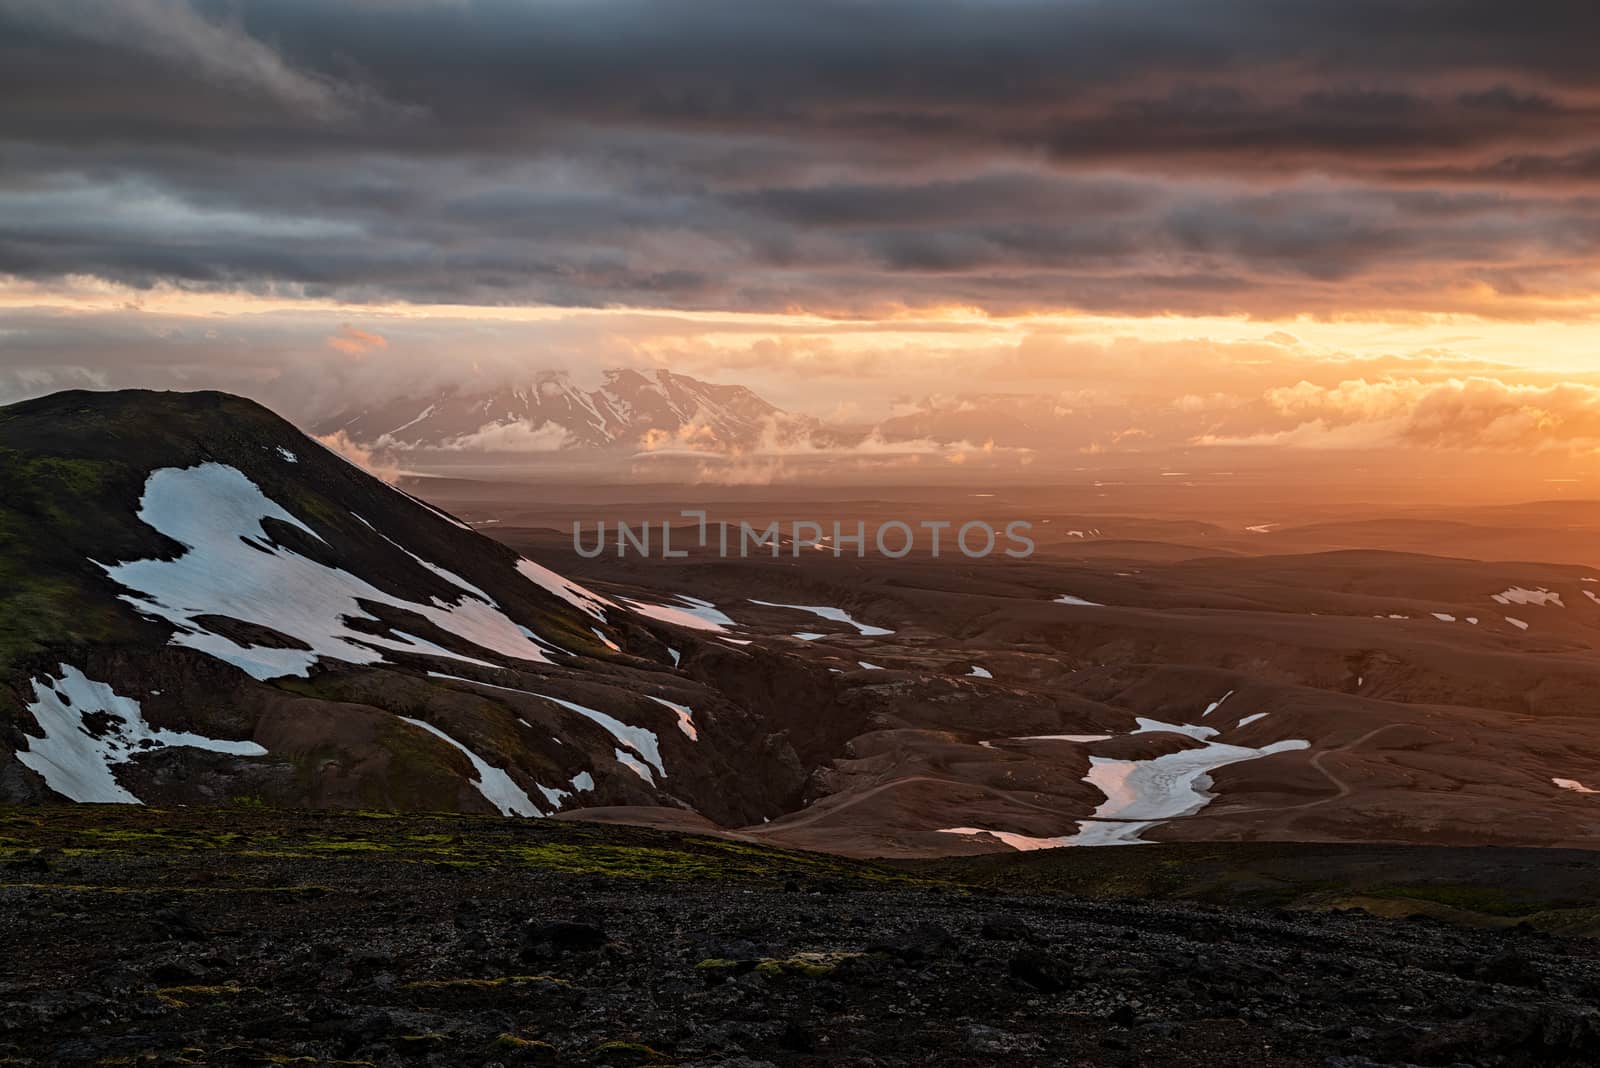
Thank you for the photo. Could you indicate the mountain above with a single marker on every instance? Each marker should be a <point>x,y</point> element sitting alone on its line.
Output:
<point>667,415</point>
<point>198,603</point>
<point>631,410</point>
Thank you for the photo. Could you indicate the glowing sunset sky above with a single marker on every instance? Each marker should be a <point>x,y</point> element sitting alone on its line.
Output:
<point>1235,221</point>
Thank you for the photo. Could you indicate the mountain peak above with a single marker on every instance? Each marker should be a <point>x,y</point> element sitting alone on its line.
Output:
<point>551,412</point>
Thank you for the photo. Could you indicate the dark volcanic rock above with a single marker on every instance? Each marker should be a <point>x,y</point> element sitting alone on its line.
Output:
<point>1004,927</point>
<point>359,954</point>
<point>1040,970</point>
<point>563,936</point>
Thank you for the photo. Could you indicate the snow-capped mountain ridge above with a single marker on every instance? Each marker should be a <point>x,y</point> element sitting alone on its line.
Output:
<point>551,412</point>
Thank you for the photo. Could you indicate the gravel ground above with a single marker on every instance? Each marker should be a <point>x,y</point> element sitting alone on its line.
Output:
<point>397,942</point>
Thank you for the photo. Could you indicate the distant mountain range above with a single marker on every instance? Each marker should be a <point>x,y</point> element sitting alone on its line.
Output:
<point>665,413</point>
<point>630,410</point>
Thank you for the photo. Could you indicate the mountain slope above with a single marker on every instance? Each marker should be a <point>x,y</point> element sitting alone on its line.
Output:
<point>551,412</point>
<point>197,603</point>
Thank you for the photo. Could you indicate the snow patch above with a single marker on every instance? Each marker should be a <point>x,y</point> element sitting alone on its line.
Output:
<point>1574,785</point>
<point>837,615</point>
<point>1150,726</point>
<point>685,716</point>
<point>979,673</point>
<point>231,568</point>
<point>1067,598</point>
<point>1519,624</point>
<point>1171,785</point>
<point>493,783</point>
<point>1518,595</point>
<point>639,739</point>
<point>692,613</point>
<point>75,758</point>
<point>1141,794</point>
<point>631,762</point>
<point>579,597</point>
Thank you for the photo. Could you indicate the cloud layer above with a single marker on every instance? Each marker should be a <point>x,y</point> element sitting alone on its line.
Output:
<point>846,157</point>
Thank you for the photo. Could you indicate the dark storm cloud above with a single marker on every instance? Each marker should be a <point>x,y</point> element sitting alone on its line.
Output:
<point>842,155</point>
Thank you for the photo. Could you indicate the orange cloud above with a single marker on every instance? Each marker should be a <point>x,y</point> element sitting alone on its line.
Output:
<point>353,341</point>
<point>1478,413</point>
<point>368,460</point>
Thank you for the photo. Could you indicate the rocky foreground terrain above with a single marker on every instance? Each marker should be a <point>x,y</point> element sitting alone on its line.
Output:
<point>135,936</point>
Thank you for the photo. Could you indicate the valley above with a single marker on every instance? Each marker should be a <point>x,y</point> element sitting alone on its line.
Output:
<point>231,610</point>
<point>1159,679</point>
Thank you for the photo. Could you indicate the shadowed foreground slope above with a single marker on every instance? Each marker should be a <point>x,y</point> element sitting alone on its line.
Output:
<point>187,937</point>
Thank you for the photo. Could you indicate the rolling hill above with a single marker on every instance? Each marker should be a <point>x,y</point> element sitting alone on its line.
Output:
<point>198,603</point>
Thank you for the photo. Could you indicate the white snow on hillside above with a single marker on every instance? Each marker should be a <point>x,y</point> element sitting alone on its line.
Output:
<point>579,597</point>
<point>979,673</point>
<point>1171,785</point>
<point>440,512</point>
<point>685,717</point>
<point>641,740</point>
<point>493,783</point>
<point>1150,726</point>
<point>1067,598</point>
<point>631,762</point>
<point>449,576</point>
<point>75,758</point>
<point>692,612</point>
<point>1141,794</point>
<point>837,615</point>
<point>1518,595</point>
<point>1574,785</point>
<point>231,568</point>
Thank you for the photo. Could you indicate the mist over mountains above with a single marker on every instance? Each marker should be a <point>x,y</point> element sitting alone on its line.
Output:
<point>675,423</point>
<point>630,410</point>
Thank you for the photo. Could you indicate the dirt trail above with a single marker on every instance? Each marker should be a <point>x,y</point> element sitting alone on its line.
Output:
<point>821,813</point>
<point>1342,789</point>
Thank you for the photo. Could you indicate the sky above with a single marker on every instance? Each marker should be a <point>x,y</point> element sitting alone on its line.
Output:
<point>1210,223</point>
